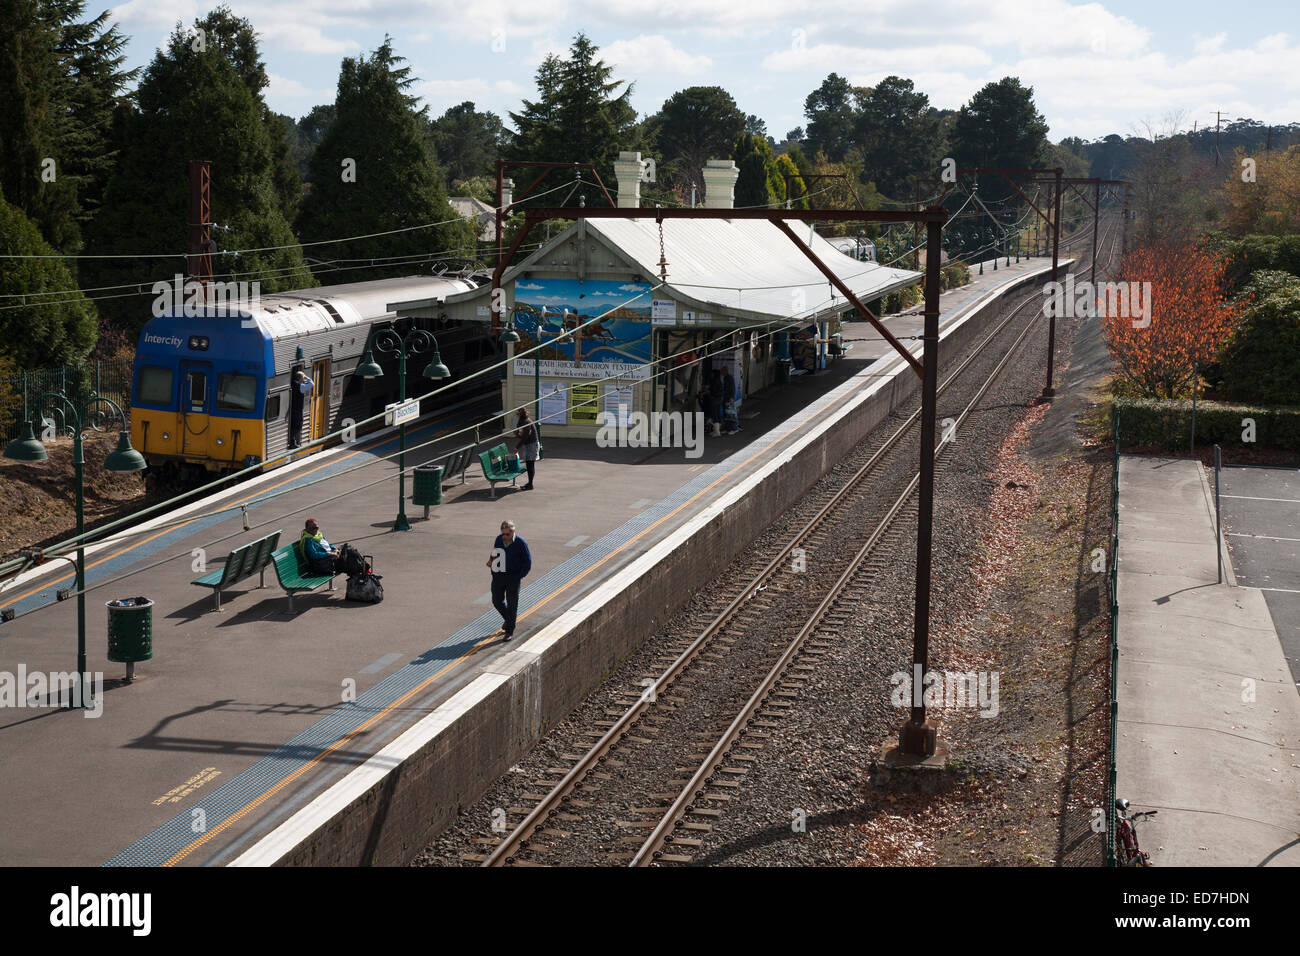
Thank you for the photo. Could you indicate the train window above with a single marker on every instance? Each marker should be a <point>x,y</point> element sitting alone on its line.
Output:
<point>272,408</point>
<point>198,390</point>
<point>155,385</point>
<point>236,393</point>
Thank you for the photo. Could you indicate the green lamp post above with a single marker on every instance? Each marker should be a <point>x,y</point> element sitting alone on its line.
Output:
<point>123,458</point>
<point>413,343</point>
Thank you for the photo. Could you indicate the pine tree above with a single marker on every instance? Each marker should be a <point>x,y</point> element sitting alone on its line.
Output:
<point>577,118</point>
<point>373,172</point>
<point>200,98</point>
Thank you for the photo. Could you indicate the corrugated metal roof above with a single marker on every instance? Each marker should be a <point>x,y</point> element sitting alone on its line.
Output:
<point>296,312</point>
<point>747,265</point>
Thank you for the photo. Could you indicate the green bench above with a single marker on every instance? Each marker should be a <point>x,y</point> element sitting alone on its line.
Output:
<point>240,564</point>
<point>291,568</point>
<point>499,466</point>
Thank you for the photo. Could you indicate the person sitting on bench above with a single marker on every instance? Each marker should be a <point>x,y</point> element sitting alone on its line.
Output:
<point>320,556</point>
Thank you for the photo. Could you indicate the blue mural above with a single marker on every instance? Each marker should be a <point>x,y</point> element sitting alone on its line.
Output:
<point>557,305</point>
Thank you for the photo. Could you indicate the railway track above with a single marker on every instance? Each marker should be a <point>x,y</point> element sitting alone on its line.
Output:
<point>775,621</point>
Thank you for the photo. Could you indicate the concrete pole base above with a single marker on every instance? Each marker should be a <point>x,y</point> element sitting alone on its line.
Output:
<point>896,770</point>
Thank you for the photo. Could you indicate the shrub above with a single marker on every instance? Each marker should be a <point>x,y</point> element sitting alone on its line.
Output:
<point>1166,424</point>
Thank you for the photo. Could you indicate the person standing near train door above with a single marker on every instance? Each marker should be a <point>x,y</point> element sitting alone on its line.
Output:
<point>299,389</point>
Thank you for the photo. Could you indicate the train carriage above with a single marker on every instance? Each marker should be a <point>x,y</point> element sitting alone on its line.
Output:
<point>213,394</point>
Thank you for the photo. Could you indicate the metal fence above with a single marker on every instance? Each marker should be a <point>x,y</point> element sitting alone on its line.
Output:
<point>1114,644</point>
<point>20,394</point>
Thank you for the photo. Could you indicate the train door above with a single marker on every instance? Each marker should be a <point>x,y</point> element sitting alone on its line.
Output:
<point>320,398</point>
<point>196,386</point>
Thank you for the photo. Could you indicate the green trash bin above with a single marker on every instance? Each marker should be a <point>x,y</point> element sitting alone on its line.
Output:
<point>130,631</point>
<point>428,487</point>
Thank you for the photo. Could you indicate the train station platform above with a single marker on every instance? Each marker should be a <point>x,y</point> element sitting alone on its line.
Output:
<point>344,733</point>
<point>1209,716</point>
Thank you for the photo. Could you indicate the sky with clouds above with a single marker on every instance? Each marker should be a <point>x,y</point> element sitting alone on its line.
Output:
<point>1096,68</point>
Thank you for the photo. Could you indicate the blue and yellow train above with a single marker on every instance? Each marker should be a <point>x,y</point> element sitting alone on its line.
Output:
<point>213,394</point>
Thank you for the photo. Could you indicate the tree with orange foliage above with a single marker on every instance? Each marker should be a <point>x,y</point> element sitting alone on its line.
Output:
<point>1263,193</point>
<point>1184,319</point>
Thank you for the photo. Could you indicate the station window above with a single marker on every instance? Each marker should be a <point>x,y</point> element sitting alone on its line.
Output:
<point>236,393</point>
<point>155,385</point>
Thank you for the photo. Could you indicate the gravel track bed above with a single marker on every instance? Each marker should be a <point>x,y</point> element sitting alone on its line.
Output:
<point>635,774</point>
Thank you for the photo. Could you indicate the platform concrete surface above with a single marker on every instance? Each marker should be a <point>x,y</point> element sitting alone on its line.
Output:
<point>243,717</point>
<point>1209,718</point>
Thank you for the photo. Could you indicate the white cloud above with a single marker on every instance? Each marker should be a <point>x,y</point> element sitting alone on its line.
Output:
<point>653,54</point>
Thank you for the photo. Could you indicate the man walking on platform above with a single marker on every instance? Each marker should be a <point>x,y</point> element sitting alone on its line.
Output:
<point>510,563</point>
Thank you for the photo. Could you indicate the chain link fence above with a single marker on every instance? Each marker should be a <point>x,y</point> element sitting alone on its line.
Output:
<point>20,393</point>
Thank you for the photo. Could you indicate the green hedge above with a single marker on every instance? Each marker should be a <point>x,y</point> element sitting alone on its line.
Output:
<point>1165,424</point>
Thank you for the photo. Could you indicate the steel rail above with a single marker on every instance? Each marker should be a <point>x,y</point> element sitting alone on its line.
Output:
<point>519,837</point>
<point>676,813</point>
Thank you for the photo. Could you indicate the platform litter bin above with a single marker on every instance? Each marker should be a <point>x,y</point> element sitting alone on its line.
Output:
<point>130,632</point>
<point>428,487</point>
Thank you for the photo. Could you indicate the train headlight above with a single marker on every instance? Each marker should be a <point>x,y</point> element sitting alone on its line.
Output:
<point>166,436</point>
<point>221,441</point>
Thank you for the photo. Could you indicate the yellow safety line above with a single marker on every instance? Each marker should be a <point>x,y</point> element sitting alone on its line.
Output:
<point>407,696</point>
<point>131,547</point>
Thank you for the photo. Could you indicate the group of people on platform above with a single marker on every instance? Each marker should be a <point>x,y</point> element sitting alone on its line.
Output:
<point>717,401</point>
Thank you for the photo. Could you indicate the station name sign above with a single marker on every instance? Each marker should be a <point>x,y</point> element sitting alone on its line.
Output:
<point>402,412</point>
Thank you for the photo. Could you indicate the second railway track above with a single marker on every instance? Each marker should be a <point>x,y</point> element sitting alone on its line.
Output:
<point>666,758</point>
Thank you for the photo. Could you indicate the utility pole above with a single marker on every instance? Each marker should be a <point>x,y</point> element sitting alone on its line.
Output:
<point>1218,116</point>
<point>1048,390</point>
<point>1096,223</point>
<point>200,265</point>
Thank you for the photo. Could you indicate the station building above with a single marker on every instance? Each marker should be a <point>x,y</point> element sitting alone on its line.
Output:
<point>739,296</point>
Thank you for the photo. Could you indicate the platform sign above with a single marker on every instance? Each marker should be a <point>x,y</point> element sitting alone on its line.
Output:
<point>402,412</point>
<point>663,312</point>
<point>554,404</point>
<point>618,404</point>
<point>583,409</point>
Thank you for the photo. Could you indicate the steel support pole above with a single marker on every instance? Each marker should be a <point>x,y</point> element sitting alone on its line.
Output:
<point>401,524</point>
<point>918,737</point>
<point>1096,226</point>
<point>1048,390</point>
<point>79,466</point>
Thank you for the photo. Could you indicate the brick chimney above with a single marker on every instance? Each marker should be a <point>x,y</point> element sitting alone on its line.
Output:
<point>627,173</point>
<point>720,177</point>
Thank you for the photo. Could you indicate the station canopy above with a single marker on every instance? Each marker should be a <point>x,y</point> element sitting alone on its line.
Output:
<point>748,267</point>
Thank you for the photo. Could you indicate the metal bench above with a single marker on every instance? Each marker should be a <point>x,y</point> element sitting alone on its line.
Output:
<point>498,466</point>
<point>294,575</point>
<point>240,564</point>
<point>458,461</point>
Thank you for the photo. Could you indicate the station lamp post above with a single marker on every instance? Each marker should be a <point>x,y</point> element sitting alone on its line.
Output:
<point>123,458</point>
<point>413,343</point>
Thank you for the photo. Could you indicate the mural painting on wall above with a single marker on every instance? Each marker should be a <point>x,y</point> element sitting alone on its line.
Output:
<point>617,343</point>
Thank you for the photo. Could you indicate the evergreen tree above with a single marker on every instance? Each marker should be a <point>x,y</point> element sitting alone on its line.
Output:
<point>50,323</point>
<point>760,182</point>
<point>830,118</point>
<point>200,98</point>
<point>467,143</point>
<point>374,171</point>
<point>577,117</point>
<point>695,125</point>
<point>898,135</point>
<point>1000,127</point>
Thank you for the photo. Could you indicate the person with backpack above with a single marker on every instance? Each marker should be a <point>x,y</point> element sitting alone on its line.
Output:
<point>319,554</point>
<point>510,563</point>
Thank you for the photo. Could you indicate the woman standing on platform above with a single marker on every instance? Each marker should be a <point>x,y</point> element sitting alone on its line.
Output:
<point>526,444</point>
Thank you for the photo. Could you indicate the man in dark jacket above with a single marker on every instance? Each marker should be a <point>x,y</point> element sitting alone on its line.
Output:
<point>510,563</point>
